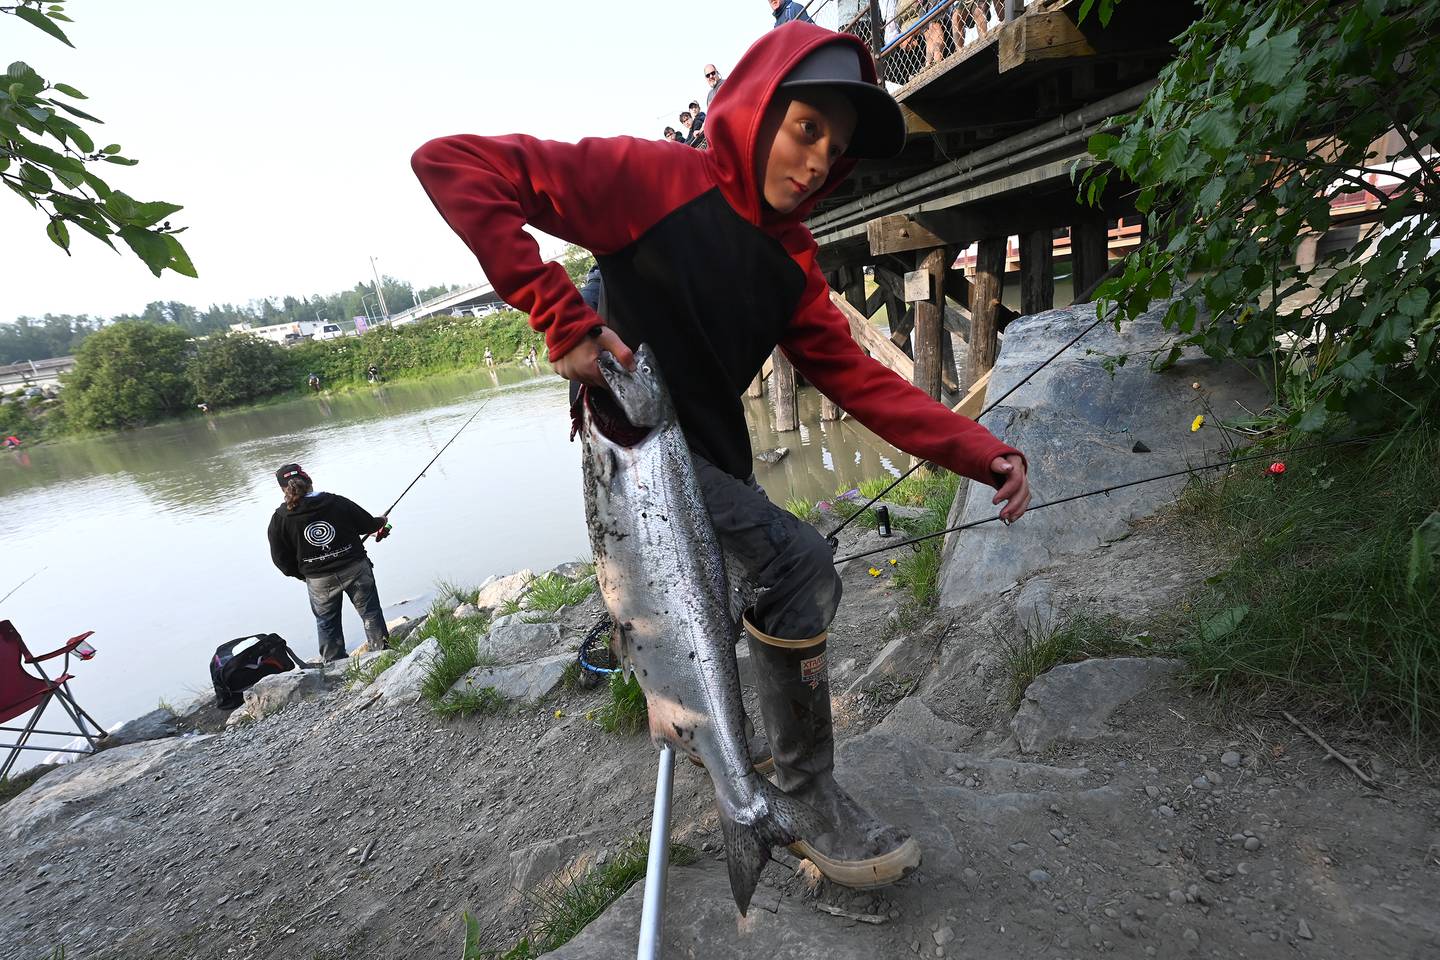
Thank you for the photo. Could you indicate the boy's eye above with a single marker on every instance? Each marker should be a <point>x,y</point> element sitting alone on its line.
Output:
<point>810,129</point>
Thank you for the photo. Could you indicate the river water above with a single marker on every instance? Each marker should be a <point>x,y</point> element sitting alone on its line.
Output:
<point>155,539</point>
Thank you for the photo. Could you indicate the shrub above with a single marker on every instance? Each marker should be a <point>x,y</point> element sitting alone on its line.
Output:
<point>129,374</point>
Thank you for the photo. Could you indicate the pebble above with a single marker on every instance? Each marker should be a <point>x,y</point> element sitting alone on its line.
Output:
<point>1200,783</point>
<point>1166,810</point>
<point>1038,877</point>
<point>1152,792</point>
<point>1252,844</point>
<point>1131,928</point>
<point>1214,778</point>
<point>1302,930</point>
<point>1177,897</point>
<point>1191,937</point>
<point>1019,846</point>
<point>943,936</point>
<point>1230,759</point>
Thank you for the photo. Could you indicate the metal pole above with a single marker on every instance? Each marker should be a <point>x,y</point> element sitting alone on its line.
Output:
<point>380,294</point>
<point>652,913</point>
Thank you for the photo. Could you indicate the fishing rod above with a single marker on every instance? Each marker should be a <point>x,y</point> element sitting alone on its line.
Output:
<point>22,583</point>
<point>1111,489</point>
<point>1099,319</point>
<point>429,465</point>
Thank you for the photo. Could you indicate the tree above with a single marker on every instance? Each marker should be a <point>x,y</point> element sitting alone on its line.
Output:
<point>49,160</point>
<point>577,262</point>
<point>129,374</point>
<point>236,368</point>
<point>1268,114</point>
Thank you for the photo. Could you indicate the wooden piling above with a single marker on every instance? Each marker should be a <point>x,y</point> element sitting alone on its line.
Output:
<point>985,290</point>
<point>1037,272</point>
<point>1088,255</point>
<point>929,328</point>
<point>782,388</point>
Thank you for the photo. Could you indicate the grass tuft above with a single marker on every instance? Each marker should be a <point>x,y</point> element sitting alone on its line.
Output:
<point>484,701</point>
<point>458,640</point>
<point>803,508</point>
<point>1036,652</point>
<point>1333,597</point>
<point>918,570</point>
<point>552,591</point>
<point>626,712</point>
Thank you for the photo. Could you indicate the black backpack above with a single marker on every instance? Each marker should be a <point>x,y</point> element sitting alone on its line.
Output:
<point>241,663</point>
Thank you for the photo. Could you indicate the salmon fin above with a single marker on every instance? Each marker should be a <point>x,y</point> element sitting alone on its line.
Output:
<point>747,846</point>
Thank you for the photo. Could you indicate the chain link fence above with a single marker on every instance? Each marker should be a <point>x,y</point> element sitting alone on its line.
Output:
<point>915,35</point>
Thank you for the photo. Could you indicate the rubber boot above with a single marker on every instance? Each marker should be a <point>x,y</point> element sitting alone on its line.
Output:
<point>793,680</point>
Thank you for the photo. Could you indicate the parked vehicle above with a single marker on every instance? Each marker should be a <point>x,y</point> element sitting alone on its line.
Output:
<point>329,331</point>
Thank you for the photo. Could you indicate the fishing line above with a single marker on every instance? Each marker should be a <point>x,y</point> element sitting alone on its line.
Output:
<point>22,583</point>
<point>1100,318</point>
<point>1112,488</point>
<point>429,465</point>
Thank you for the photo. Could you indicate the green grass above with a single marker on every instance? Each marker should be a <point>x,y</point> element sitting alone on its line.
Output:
<point>483,702</point>
<point>458,639</point>
<point>625,712</point>
<point>803,508</point>
<point>918,569</point>
<point>1332,600</point>
<point>1035,652</point>
<point>552,591</point>
<point>563,910</point>
<point>11,787</point>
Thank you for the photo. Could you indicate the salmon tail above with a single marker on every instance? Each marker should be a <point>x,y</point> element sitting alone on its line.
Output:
<point>747,846</point>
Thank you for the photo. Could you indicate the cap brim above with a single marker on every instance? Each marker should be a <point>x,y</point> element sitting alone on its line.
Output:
<point>879,124</point>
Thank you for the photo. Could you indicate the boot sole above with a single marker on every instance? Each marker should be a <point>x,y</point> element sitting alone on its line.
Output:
<point>764,767</point>
<point>865,874</point>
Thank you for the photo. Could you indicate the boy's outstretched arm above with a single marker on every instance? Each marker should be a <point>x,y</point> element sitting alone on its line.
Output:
<point>594,193</point>
<point>819,343</point>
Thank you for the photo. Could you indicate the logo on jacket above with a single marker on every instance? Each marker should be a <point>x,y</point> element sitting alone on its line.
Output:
<point>320,534</point>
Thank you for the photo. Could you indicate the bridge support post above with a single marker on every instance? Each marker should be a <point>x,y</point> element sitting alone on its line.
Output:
<point>985,290</point>
<point>1037,272</point>
<point>929,328</point>
<point>1088,254</point>
<point>782,389</point>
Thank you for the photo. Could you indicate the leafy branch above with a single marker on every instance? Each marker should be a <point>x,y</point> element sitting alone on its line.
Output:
<point>48,159</point>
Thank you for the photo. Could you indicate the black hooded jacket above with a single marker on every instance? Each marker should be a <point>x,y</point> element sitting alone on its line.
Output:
<point>322,534</point>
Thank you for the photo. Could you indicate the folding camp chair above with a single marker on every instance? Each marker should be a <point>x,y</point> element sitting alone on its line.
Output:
<point>22,692</point>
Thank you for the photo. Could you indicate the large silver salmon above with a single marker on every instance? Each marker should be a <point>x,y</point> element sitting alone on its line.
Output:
<point>660,571</point>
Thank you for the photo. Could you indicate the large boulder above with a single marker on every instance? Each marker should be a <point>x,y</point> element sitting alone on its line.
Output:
<point>276,692</point>
<point>402,681</point>
<point>1073,701</point>
<point>515,640</point>
<point>155,725</point>
<point>520,681</point>
<point>1079,424</point>
<point>496,591</point>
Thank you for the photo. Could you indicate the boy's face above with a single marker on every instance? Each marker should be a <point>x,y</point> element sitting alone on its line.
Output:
<point>799,142</point>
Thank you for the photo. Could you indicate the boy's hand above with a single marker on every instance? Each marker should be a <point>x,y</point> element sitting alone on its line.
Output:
<point>1015,489</point>
<point>581,362</point>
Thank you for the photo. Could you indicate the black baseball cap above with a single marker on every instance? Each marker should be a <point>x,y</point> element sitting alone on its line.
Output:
<point>289,472</point>
<point>879,124</point>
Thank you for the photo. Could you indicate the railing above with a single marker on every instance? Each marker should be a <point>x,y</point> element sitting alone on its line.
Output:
<point>909,36</point>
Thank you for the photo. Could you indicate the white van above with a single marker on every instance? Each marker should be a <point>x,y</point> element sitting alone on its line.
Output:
<point>330,331</point>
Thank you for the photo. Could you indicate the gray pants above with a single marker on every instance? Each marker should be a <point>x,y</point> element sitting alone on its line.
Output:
<point>775,551</point>
<point>358,582</point>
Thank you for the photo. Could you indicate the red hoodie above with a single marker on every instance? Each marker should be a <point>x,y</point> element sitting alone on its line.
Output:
<point>693,261</point>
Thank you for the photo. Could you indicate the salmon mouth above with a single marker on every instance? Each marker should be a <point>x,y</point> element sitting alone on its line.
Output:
<point>609,419</point>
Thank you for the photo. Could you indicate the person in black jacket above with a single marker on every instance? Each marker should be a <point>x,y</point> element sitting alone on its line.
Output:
<point>316,537</point>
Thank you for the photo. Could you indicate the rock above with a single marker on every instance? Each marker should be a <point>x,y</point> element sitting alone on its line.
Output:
<point>70,788</point>
<point>1252,844</point>
<point>466,610</point>
<point>498,590</point>
<point>943,936</point>
<point>155,725</point>
<point>912,718</point>
<point>1073,701</point>
<point>1077,423</point>
<point>1036,613</point>
<point>774,455</point>
<point>1038,877</point>
<point>1302,930</point>
<point>573,570</point>
<point>522,681</point>
<point>894,662</point>
<point>274,693</point>
<point>400,631</point>
<point>514,640</point>
<point>1230,759</point>
<point>402,681</point>
<point>1191,938</point>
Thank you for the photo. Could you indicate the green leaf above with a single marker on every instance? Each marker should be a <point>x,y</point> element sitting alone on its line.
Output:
<point>58,232</point>
<point>123,161</point>
<point>1314,419</point>
<point>76,111</point>
<point>70,91</point>
<point>149,214</point>
<point>121,207</point>
<point>148,246</point>
<point>39,21</point>
<point>1224,623</point>
<point>179,259</point>
<point>1424,546</point>
<point>1413,303</point>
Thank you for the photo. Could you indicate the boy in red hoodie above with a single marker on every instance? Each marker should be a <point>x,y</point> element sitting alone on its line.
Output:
<point>704,256</point>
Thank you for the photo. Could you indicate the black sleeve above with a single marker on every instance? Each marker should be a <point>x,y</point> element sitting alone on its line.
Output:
<point>357,515</point>
<point>282,553</point>
<point>590,289</point>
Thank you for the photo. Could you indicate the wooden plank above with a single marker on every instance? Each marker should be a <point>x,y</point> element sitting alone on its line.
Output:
<point>956,321</point>
<point>985,293</point>
<point>873,341</point>
<point>1041,36</point>
<point>782,388</point>
<point>973,403</point>
<point>1037,272</point>
<point>928,326</point>
<point>899,233</point>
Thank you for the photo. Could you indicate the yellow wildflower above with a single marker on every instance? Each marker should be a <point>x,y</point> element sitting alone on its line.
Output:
<point>893,562</point>
<point>874,571</point>
<point>1197,423</point>
<point>559,714</point>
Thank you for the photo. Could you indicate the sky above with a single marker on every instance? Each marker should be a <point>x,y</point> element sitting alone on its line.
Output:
<point>285,129</point>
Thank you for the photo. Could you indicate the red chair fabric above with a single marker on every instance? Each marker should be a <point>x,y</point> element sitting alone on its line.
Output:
<point>22,692</point>
<point>19,691</point>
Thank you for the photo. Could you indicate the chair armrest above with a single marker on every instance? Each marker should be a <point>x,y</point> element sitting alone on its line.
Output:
<point>70,644</point>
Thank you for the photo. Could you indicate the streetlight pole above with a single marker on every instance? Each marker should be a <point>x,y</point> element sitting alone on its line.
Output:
<point>380,295</point>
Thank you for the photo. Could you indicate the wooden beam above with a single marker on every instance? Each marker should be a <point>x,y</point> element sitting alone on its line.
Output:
<point>1037,271</point>
<point>899,233</point>
<point>873,341</point>
<point>957,286</point>
<point>1041,36</point>
<point>782,388</point>
<point>1089,257</point>
<point>973,403</point>
<point>984,300</point>
<point>957,290</point>
<point>929,330</point>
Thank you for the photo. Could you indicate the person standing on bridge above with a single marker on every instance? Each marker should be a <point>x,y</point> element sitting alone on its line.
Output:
<point>319,538</point>
<point>706,258</point>
<point>787,11</point>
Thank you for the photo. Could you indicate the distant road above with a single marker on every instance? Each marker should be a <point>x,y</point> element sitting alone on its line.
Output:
<point>34,373</point>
